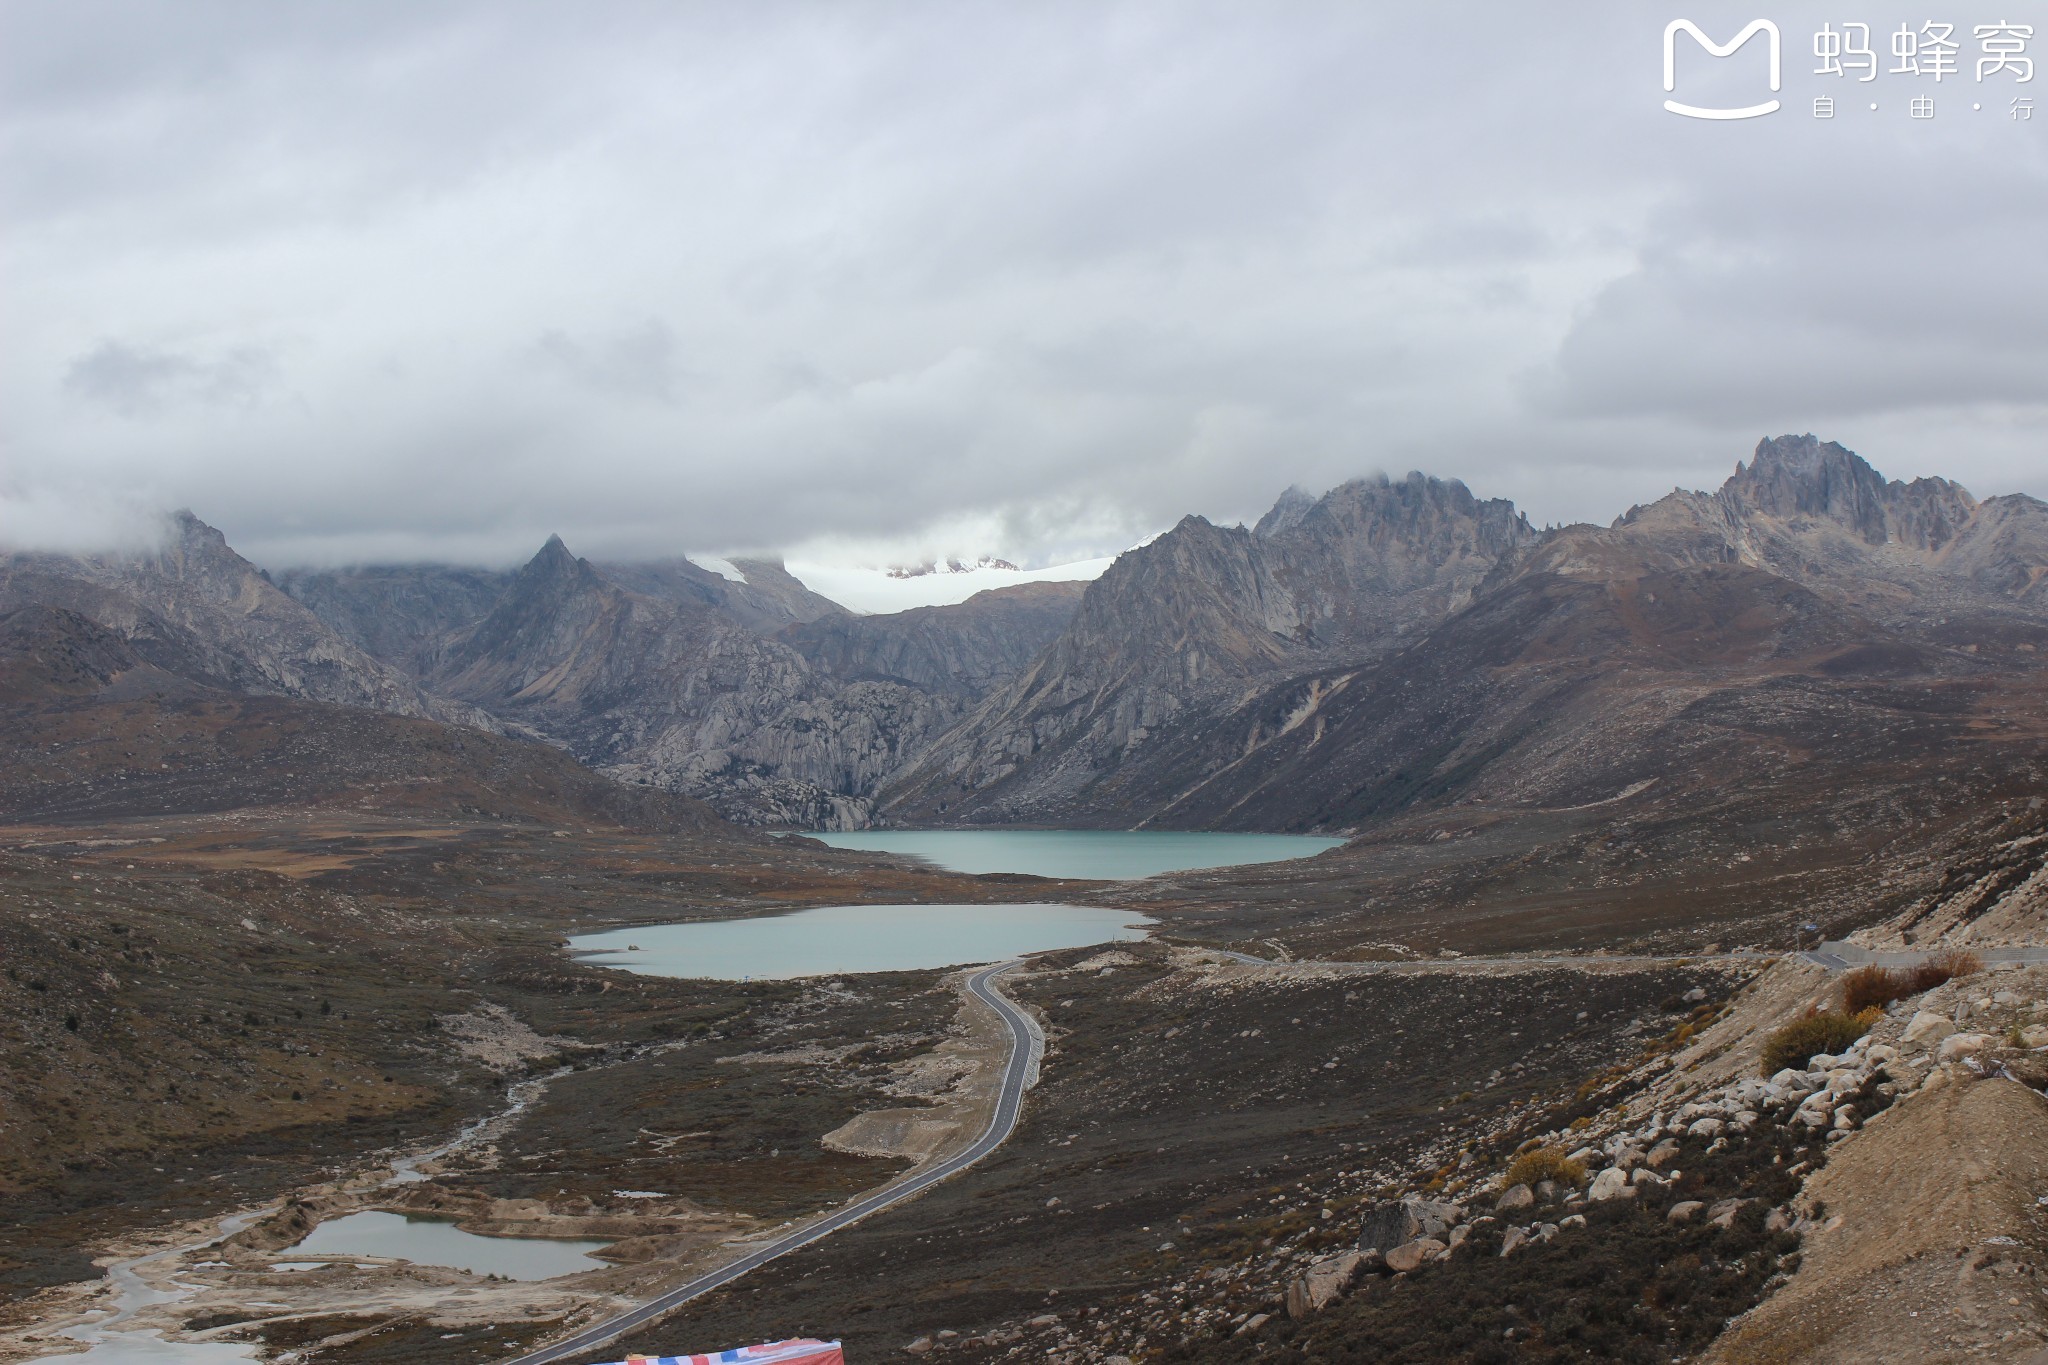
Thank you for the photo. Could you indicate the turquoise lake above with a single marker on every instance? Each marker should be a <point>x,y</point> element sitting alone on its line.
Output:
<point>1104,855</point>
<point>428,1241</point>
<point>836,939</point>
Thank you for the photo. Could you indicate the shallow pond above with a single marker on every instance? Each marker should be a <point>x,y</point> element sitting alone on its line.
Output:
<point>836,939</point>
<point>428,1241</point>
<point>1097,854</point>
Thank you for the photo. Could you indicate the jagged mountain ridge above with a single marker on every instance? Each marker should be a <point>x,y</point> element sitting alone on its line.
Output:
<point>1807,565</point>
<point>772,702</point>
<point>192,600</point>
<point>1174,632</point>
<point>92,729</point>
<point>1387,645</point>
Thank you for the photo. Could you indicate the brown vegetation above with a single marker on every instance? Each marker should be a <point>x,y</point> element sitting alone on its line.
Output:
<point>1815,1031</point>
<point>1545,1163</point>
<point>1874,987</point>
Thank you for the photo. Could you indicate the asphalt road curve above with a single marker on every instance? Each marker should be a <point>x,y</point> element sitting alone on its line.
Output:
<point>1019,1072</point>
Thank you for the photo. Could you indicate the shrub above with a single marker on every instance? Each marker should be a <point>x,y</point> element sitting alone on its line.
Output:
<point>1545,1163</point>
<point>1873,987</point>
<point>1813,1032</point>
<point>1944,966</point>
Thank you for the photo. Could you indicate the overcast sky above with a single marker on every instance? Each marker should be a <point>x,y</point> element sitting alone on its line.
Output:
<point>431,280</point>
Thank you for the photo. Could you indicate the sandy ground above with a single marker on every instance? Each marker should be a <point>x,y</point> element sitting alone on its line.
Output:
<point>1933,1247</point>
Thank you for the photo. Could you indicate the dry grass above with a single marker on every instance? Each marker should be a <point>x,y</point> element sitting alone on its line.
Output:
<point>1875,987</point>
<point>1944,966</point>
<point>1815,1031</point>
<point>1545,1163</point>
<point>1872,988</point>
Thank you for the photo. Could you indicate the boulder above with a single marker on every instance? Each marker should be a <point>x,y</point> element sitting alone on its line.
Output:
<point>1611,1183</point>
<point>1391,1225</point>
<point>1684,1210</point>
<point>1815,1113</point>
<point>1846,1116</point>
<point>1957,1046</point>
<point>1547,1191</point>
<point>1576,1220</point>
<point>1722,1214</point>
<point>1706,1128</point>
<point>1662,1155</point>
<point>1643,1175</point>
<point>1513,1241</point>
<point>2035,1035</point>
<point>1515,1197</point>
<point>1409,1255</point>
<point>1325,1282</point>
<point>1926,1028</point>
<point>919,1347</point>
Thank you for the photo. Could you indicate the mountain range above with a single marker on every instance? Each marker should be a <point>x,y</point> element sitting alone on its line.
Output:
<point>1389,646</point>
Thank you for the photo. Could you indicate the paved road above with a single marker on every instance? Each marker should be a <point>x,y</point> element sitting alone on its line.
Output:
<point>1840,956</point>
<point>1835,956</point>
<point>1020,1072</point>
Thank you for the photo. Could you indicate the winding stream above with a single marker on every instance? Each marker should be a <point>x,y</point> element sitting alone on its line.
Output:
<point>110,1343</point>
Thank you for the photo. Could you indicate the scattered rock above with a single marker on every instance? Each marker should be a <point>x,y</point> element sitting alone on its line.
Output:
<point>1521,1196</point>
<point>1327,1281</point>
<point>1722,1214</point>
<point>1513,1241</point>
<point>1391,1225</point>
<point>1960,1045</point>
<point>919,1347</point>
<point>1927,1028</point>
<point>1684,1210</point>
<point>1662,1155</point>
<point>1410,1255</point>
<point>1611,1183</point>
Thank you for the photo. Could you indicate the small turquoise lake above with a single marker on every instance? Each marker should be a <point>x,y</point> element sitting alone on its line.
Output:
<point>835,939</point>
<point>1103,855</point>
<point>429,1241</point>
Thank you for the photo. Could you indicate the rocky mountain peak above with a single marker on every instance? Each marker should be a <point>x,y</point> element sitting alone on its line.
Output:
<point>1802,477</point>
<point>1286,513</point>
<point>190,530</point>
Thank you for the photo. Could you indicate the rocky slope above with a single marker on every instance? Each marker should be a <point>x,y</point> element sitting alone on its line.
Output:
<point>768,599</point>
<point>1391,647</point>
<point>677,695</point>
<point>92,729</point>
<point>405,615</point>
<point>761,696</point>
<point>965,650</point>
<point>192,600</point>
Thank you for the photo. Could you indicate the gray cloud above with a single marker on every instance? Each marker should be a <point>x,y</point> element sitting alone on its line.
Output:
<point>142,381</point>
<point>702,276</point>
